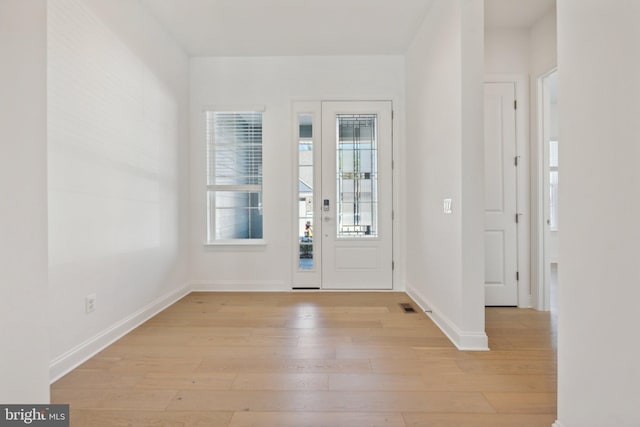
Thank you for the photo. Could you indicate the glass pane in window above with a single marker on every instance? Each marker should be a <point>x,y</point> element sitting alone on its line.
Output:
<point>305,192</point>
<point>236,155</point>
<point>357,168</point>
<point>238,214</point>
<point>553,154</point>
<point>553,200</point>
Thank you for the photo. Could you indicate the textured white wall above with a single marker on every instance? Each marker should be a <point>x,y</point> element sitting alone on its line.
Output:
<point>118,144</point>
<point>443,161</point>
<point>599,274</point>
<point>273,82</point>
<point>24,341</point>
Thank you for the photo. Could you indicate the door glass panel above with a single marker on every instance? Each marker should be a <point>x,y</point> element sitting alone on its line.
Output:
<point>305,192</point>
<point>357,176</point>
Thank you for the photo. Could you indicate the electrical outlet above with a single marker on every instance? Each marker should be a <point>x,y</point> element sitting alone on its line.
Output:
<point>90,303</point>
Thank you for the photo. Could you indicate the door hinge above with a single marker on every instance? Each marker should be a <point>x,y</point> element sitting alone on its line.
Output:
<point>392,114</point>
<point>515,104</point>
<point>392,164</point>
<point>517,276</point>
<point>516,161</point>
<point>393,265</point>
<point>518,218</point>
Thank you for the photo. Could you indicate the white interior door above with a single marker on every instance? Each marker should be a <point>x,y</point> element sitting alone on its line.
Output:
<point>356,202</point>
<point>500,238</point>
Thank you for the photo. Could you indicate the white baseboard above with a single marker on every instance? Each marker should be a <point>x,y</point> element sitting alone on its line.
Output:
<point>468,341</point>
<point>70,360</point>
<point>239,286</point>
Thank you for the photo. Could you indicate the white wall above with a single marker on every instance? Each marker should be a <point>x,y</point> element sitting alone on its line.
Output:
<point>507,51</point>
<point>118,153</point>
<point>445,253</point>
<point>272,82</point>
<point>23,203</point>
<point>543,49</point>
<point>599,88</point>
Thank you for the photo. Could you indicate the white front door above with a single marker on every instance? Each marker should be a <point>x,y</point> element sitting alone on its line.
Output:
<point>356,195</point>
<point>501,216</point>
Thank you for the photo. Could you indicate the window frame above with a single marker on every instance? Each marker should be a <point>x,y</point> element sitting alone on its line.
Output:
<point>211,187</point>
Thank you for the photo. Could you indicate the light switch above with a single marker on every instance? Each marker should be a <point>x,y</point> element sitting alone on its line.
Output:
<point>446,204</point>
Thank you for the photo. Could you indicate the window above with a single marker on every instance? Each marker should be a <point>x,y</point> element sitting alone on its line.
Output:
<point>305,191</point>
<point>234,175</point>
<point>553,185</point>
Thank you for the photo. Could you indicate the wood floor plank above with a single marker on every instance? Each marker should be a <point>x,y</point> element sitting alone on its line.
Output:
<point>331,401</point>
<point>155,364</point>
<point>315,419</point>
<point>489,382</point>
<point>329,323</point>
<point>524,403</point>
<point>219,323</point>
<point>250,341</point>
<point>440,341</point>
<point>355,351</point>
<point>87,378</point>
<point>316,341</point>
<point>519,354</point>
<point>376,382</point>
<point>408,366</point>
<point>309,366</point>
<point>87,398</point>
<point>106,418</point>
<point>276,353</point>
<point>508,367</point>
<point>476,420</point>
<point>281,382</point>
<point>186,381</point>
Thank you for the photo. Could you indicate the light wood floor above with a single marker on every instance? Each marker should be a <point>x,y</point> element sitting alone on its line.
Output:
<point>315,359</point>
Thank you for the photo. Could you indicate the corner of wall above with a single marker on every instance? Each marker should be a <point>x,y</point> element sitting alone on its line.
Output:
<point>463,340</point>
<point>73,358</point>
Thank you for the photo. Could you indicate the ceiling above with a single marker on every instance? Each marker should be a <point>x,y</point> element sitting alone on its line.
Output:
<point>291,27</point>
<point>313,27</point>
<point>515,13</point>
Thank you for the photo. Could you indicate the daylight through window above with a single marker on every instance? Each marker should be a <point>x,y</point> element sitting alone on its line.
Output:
<point>234,175</point>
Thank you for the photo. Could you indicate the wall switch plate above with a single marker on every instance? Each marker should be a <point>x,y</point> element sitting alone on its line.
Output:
<point>446,204</point>
<point>90,303</point>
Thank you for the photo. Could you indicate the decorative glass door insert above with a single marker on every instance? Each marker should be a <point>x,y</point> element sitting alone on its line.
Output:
<point>357,176</point>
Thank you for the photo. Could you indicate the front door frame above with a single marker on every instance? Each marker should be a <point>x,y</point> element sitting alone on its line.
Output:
<point>301,279</point>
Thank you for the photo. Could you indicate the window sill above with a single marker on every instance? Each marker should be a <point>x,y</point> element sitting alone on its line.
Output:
<point>239,242</point>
